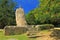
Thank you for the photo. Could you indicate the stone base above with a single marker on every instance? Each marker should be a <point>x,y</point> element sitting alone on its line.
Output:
<point>56,33</point>
<point>14,30</point>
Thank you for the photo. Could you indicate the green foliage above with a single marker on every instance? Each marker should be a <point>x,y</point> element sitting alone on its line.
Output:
<point>32,20</point>
<point>7,13</point>
<point>46,13</point>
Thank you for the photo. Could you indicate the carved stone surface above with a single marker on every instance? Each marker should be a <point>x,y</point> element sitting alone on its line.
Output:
<point>20,17</point>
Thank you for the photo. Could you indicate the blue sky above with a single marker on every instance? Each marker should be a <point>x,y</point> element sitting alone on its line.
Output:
<point>27,5</point>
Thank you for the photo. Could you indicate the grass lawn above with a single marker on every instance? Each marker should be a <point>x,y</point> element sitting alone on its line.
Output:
<point>13,37</point>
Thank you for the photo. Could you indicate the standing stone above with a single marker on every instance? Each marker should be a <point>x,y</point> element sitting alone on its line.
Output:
<point>20,17</point>
<point>21,26</point>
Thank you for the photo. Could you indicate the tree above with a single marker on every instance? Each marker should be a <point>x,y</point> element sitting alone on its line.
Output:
<point>47,12</point>
<point>7,13</point>
<point>30,18</point>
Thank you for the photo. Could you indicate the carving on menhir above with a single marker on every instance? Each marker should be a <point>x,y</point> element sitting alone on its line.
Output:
<point>20,18</point>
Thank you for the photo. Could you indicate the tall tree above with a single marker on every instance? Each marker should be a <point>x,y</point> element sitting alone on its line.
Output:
<point>30,18</point>
<point>7,13</point>
<point>48,12</point>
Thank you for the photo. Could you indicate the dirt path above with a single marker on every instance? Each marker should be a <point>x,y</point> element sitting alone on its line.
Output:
<point>45,36</point>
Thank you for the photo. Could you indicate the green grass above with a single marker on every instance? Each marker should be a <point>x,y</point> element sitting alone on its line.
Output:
<point>17,37</point>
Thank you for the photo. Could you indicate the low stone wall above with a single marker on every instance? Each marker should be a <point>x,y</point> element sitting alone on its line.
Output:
<point>13,30</point>
<point>56,34</point>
